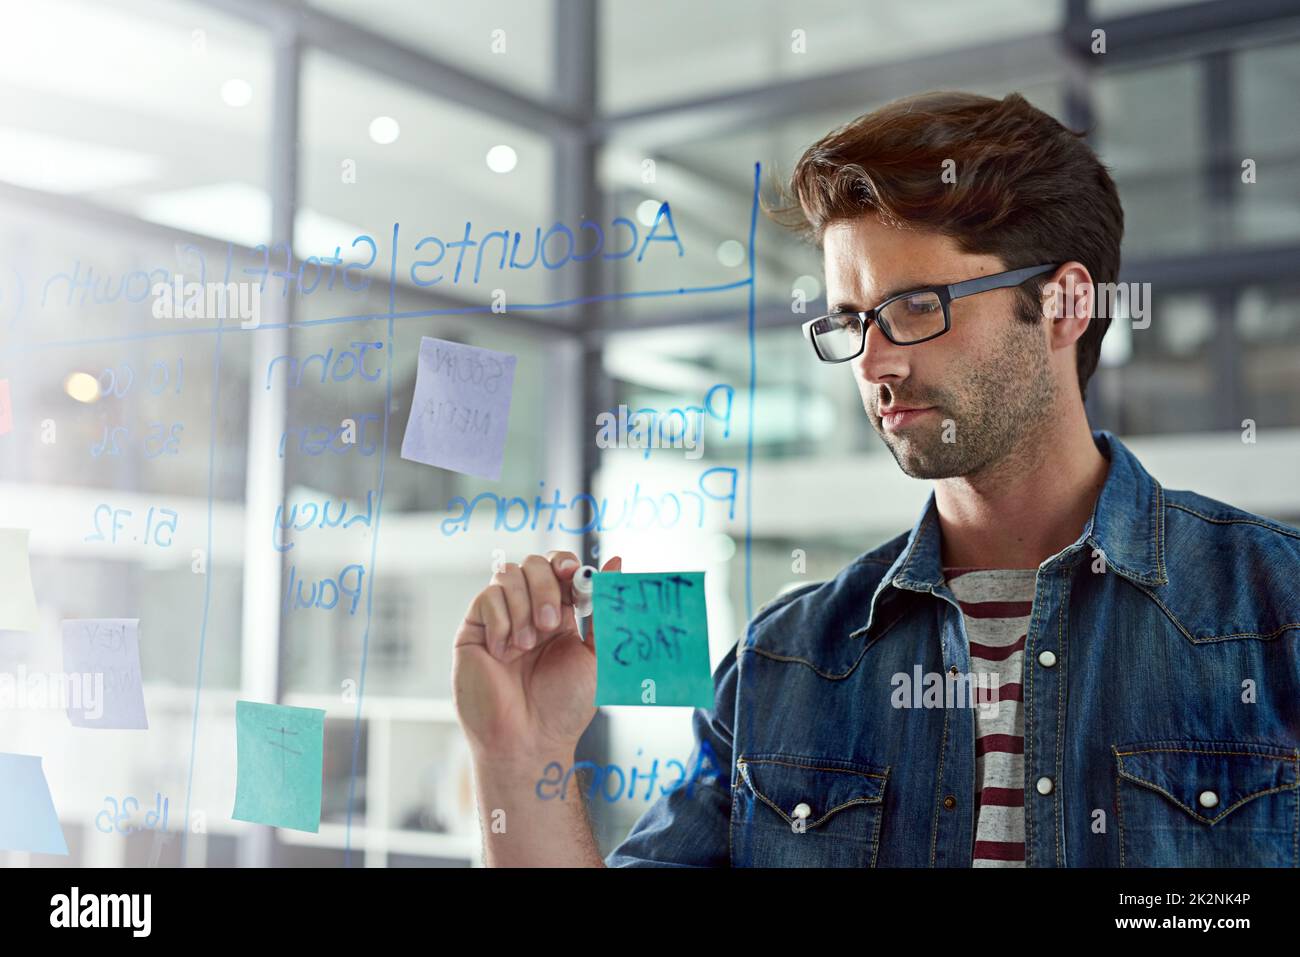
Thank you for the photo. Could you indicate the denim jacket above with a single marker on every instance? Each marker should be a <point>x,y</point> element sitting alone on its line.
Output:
<point>1161,702</point>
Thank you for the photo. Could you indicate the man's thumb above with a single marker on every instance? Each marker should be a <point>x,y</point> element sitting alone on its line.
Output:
<point>615,564</point>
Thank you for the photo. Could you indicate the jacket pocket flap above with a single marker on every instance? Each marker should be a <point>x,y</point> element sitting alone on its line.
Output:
<point>814,789</point>
<point>1208,779</point>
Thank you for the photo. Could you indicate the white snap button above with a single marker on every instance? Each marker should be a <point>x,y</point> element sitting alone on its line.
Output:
<point>1044,785</point>
<point>1209,799</point>
<point>1047,659</point>
<point>802,811</point>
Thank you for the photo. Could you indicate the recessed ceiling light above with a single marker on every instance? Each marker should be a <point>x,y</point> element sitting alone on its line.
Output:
<point>82,386</point>
<point>810,286</point>
<point>384,130</point>
<point>502,159</point>
<point>731,253</point>
<point>236,93</point>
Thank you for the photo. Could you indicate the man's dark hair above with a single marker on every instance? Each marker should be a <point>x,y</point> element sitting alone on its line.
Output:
<point>1027,189</point>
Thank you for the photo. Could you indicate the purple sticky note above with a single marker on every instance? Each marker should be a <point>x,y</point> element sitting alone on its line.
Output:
<point>460,409</point>
<point>101,665</point>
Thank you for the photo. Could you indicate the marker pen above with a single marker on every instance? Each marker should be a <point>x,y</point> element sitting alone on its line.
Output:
<point>582,588</point>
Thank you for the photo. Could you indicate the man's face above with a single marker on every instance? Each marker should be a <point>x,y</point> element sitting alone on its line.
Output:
<point>984,384</point>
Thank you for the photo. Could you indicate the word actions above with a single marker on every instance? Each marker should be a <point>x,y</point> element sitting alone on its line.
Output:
<point>707,768</point>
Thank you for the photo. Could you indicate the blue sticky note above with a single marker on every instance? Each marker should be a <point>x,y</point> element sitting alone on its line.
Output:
<point>280,759</point>
<point>101,659</point>
<point>460,409</point>
<point>652,639</point>
<point>27,818</point>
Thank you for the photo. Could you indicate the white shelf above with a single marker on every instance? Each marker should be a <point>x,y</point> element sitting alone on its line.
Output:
<point>373,706</point>
<point>388,840</point>
<point>380,708</point>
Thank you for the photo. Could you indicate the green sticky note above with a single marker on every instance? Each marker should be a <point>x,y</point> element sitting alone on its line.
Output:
<point>280,765</point>
<point>652,639</point>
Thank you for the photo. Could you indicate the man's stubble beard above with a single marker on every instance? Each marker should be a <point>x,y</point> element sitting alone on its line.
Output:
<point>993,414</point>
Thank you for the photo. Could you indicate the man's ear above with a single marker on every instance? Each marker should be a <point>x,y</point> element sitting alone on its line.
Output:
<point>1069,294</point>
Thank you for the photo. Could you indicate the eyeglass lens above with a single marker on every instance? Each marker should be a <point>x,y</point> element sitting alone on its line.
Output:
<point>909,319</point>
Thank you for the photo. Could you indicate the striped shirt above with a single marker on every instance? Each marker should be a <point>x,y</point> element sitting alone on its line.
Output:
<point>996,605</point>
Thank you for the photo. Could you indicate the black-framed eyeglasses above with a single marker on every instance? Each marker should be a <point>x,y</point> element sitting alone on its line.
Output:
<point>906,319</point>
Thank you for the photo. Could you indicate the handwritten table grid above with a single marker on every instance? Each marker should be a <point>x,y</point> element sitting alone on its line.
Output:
<point>390,318</point>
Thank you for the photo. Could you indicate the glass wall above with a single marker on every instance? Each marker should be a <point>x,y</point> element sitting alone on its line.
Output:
<point>329,154</point>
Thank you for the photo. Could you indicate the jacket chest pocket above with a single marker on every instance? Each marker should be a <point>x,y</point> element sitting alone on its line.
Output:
<point>797,811</point>
<point>1207,804</point>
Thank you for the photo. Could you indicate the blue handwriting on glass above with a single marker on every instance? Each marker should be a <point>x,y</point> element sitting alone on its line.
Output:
<point>717,484</point>
<point>321,510</point>
<point>334,365</point>
<point>118,517</point>
<point>555,249</point>
<point>352,431</point>
<point>112,822</point>
<point>601,777</point>
<point>162,439</point>
<point>336,589</point>
<point>116,383</point>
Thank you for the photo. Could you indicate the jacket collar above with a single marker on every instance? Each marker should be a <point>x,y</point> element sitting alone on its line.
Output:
<point>1126,525</point>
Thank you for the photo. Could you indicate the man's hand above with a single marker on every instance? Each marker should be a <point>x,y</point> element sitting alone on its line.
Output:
<point>524,681</point>
<point>522,678</point>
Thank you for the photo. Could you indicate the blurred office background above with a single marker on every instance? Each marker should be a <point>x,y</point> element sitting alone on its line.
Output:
<point>143,133</point>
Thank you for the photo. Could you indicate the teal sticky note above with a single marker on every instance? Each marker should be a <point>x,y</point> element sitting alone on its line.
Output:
<point>281,760</point>
<point>652,639</point>
<point>27,818</point>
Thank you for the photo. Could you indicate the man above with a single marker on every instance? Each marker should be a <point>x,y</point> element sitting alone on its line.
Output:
<point>1062,664</point>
